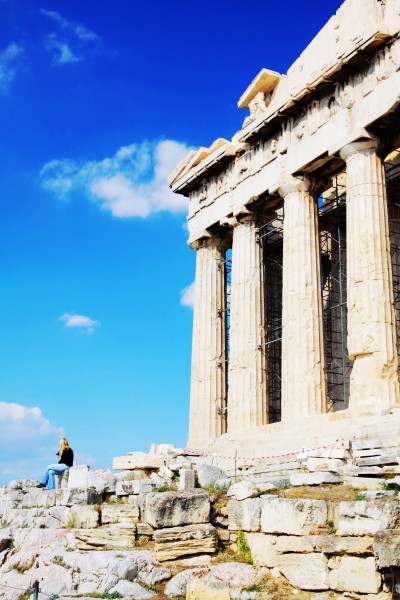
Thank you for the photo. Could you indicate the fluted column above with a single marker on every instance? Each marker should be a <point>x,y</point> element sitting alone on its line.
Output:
<point>208,376</point>
<point>247,395</point>
<point>303,355</point>
<point>374,385</point>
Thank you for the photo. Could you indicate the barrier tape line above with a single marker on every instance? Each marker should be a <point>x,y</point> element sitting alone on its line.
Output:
<point>302,451</point>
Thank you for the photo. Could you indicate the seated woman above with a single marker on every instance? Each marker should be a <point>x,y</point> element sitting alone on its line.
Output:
<point>66,455</point>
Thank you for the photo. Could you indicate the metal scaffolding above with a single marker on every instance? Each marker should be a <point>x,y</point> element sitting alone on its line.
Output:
<point>332,226</point>
<point>392,165</point>
<point>271,235</point>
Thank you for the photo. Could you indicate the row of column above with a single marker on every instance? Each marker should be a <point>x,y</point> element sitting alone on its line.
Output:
<point>371,321</point>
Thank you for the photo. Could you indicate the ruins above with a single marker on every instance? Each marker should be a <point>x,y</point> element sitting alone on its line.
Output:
<point>296,227</point>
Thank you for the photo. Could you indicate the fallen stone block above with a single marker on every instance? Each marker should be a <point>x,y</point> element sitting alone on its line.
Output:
<point>364,483</point>
<point>376,494</point>
<point>140,460</point>
<point>84,517</point>
<point>292,516</point>
<point>186,480</point>
<point>357,575</point>
<point>207,474</point>
<point>207,590</point>
<point>78,476</point>
<point>173,542</point>
<point>102,480</point>
<point>328,544</point>
<point>244,515</point>
<point>40,497</point>
<point>243,490</point>
<point>173,509</point>
<point>383,459</point>
<point>305,571</point>
<point>387,548</point>
<point>367,517</point>
<point>110,537</point>
<point>263,549</point>
<point>317,478</point>
<point>119,513</point>
<point>130,589</point>
<point>268,484</point>
<point>71,496</point>
<point>333,465</point>
<point>134,487</point>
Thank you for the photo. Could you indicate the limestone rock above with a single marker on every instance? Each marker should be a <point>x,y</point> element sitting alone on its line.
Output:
<point>328,544</point>
<point>132,590</point>
<point>387,548</point>
<point>186,480</point>
<point>305,571</point>
<point>173,509</point>
<point>222,484</point>
<point>208,474</point>
<point>367,517</point>
<point>356,575</point>
<point>263,549</point>
<point>151,575</point>
<point>173,542</point>
<point>333,465</point>
<point>242,490</point>
<point>134,486</point>
<point>102,480</point>
<point>126,514</point>
<point>244,515</point>
<point>85,517</point>
<point>177,585</point>
<point>207,590</point>
<point>238,575</point>
<point>78,476</point>
<point>292,516</point>
<point>106,538</point>
<point>71,496</point>
<point>317,478</point>
<point>139,460</point>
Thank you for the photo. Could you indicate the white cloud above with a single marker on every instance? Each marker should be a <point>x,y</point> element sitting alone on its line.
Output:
<point>62,52</point>
<point>187,296</point>
<point>9,64</point>
<point>79,321</point>
<point>80,31</point>
<point>132,183</point>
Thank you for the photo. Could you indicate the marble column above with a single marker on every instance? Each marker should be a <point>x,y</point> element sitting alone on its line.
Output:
<point>374,385</point>
<point>303,354</point>
<point>247,394</point>
<point>207,418</point>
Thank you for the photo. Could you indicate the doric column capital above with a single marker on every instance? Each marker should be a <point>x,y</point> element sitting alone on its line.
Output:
<point>210,241</point>
<point>296,185</point>
<point>359,146</point>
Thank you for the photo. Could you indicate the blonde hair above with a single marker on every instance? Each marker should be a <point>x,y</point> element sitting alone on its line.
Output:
<point>63,444</point>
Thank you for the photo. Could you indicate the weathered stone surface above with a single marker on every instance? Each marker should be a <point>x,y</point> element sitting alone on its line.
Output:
<point>102,480</point>
<point>40,497</point>
<point>317,478</point>
<point>290,516</point>
<point>71,496</point>
<point>186,480</point>
<point>106,538</point>
<point>238,575</point>
<point>132,590</point>
<point>134,486</point>
<point>387,548</point>
<point>364,483</point>
<point>152,575</point>
<point>305,571</point>
<point>5,540</point>
<point>173,509</point>
<point>325,464</point>
<point>376,494</point>
<point>144,529</point>
<point>356,575</point>
<point>207,590</point>
<point>139,460</point>
<point>177,585</point>
<point>328,544</point>
<point>264,485</point>
<point>173,542</point>
<point>78,476</point>
<point>368,517</point>
<point>244,515</point>
<point>207,474</point>
<point>119,513</point>
<point>243,490</point>
<point>263,549</point>
<point>85,517</point>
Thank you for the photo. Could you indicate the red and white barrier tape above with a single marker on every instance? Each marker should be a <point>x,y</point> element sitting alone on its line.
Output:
<point>339,443</point>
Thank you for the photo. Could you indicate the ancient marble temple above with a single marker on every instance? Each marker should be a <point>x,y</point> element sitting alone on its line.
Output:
<point>296,227</point>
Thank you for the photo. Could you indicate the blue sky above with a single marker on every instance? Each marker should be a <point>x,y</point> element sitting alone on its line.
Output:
<point>98,102</point>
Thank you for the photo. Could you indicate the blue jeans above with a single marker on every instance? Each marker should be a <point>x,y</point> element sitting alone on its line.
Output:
<point>51,470</point>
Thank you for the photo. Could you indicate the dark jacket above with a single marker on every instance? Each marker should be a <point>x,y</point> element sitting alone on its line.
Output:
<point>67,457</point>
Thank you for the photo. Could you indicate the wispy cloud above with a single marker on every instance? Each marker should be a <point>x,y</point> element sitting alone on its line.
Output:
<point>80,31</point>
<point>73,44</point>
<point>187,296</point>
<point>62,54</point>
<point>132,183</point>
<point>9,64</point>
<point>79,322</point>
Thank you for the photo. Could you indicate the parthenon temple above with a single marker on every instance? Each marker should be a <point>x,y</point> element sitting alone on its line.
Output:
<point>296,227</point>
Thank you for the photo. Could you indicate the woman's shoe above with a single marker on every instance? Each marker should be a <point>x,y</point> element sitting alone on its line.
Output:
<point>41,485</point>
